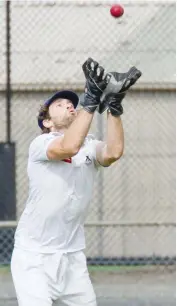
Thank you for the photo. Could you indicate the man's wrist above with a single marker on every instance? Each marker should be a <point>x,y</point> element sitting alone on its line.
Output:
<point>115,114</point>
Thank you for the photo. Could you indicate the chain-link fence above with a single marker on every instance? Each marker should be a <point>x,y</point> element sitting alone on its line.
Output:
<point>132,213</point>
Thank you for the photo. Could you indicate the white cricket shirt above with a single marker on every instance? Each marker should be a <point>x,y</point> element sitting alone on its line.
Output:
<point>59,197</point>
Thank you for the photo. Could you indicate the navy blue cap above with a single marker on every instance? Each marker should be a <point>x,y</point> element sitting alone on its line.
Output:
<point>63,94</point>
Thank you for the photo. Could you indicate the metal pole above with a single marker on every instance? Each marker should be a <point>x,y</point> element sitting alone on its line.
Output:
<point>8,75</point>
<point>100,189</point>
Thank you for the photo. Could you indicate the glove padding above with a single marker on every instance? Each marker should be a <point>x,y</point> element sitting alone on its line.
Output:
<point>115,91</point>
<point>95,84</point>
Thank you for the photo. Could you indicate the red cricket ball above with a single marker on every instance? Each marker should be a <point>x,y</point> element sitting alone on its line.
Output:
<point>116,10</point>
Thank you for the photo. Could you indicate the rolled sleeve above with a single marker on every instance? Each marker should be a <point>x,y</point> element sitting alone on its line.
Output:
<point>93,143</point>
<point>39,146</point>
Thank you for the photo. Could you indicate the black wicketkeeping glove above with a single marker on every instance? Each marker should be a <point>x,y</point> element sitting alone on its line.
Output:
<point>116,90</point>
<point>95,84</point>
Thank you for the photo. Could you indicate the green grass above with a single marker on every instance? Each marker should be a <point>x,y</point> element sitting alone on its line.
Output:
<point>6,268</point>
<point>115,268</point>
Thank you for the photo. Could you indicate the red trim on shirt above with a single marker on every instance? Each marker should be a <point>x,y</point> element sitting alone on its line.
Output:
<point>67,160</point>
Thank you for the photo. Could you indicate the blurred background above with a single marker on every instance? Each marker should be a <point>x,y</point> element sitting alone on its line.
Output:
<point>43,45</point>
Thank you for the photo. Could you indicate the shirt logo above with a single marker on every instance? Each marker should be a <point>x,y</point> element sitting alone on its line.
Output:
<point>88,161</point>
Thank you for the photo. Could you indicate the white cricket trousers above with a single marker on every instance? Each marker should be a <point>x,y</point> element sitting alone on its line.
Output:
<point>46,279</point>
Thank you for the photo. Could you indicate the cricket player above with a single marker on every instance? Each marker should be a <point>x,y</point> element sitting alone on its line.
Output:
<point>48,261</point>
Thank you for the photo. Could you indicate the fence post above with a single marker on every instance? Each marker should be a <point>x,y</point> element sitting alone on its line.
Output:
<point>100,189</point>
<point>8,74</point>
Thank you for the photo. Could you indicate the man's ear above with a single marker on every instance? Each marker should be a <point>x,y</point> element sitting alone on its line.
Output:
<point>47,123</point>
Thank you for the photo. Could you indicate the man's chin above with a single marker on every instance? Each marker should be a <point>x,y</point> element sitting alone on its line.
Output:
<point>71,119</point>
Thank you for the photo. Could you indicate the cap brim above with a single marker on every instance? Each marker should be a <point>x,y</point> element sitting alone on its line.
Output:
<point>64,94</point>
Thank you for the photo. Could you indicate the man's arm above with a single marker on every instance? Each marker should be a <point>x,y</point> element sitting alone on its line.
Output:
<point>73,139</point>
<point>112,97</point>
<point>69,145</point>
<point>108,153</point>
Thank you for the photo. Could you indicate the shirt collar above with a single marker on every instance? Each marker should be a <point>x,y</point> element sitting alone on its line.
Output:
<point>57,133</point>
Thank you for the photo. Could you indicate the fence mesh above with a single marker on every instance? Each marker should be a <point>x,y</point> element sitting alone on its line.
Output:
<point>132,213</point>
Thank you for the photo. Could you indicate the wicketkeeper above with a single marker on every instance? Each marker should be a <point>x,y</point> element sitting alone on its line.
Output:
<point>48,262</point>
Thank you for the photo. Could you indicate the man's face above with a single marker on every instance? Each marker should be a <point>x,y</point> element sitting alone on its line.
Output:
<point>62,113</point>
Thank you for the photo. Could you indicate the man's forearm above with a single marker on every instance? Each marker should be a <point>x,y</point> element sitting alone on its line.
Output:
<point>78,130</point>
<point>115,137</point>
